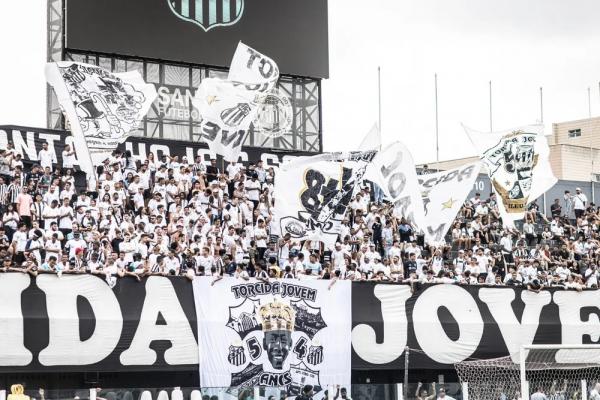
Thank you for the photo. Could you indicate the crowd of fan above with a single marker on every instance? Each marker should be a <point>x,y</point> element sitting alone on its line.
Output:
<point>173,216</point>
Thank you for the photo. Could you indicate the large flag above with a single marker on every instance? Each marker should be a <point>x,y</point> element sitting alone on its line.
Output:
<point>393,170</point>
<point>443,195</point>
<point>313,193</point>
<point>518,165</point>
<point>282,334</point>
<point>228,107</point>
<point>103,108</point>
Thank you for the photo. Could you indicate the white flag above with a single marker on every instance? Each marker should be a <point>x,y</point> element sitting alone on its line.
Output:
<point>393,170</point>
<point>443,195</point>
<point>518,166</point>
<point>372,141</point>
<point>103,108</point>
<point>228,107</point>
<point>313,193</point>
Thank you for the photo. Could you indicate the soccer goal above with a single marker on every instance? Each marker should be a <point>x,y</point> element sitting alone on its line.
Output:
<point>553,372</point>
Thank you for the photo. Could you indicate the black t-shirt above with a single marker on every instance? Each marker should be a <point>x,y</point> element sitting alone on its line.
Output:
<point>411,266</point>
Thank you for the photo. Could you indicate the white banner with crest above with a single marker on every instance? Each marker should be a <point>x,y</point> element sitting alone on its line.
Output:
<point>444,193</point>
<point>282,333</point>
<point>313,193</point>
<point>518,165</point>
<point>228,107</point>
<point>103,108</point>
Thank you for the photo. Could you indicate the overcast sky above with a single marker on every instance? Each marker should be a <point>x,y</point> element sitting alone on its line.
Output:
<point>519,45</point>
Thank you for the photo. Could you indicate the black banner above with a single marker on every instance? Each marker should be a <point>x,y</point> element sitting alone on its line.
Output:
<point>78,323</point>
<point>293,33</point>
<point>28,141</point>
<point>446,324</point>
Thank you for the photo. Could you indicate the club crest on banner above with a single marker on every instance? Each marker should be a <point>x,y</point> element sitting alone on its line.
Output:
<point>278,334</point>
<point>208,14</point>
<point>511,163</point>
<point>275,114</point>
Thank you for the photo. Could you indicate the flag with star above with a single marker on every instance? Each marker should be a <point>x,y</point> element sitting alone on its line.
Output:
<point>227,107</point>
<point>443,194</point>
<point>518,164</point>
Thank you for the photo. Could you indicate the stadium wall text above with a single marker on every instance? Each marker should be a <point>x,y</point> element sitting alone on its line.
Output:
<point>28,141</point>
<point>78,323</point>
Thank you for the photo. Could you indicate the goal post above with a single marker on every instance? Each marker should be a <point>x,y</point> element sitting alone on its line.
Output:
<point>558,372</point>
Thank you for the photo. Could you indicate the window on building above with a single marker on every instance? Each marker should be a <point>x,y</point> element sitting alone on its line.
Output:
<point>574,133</point>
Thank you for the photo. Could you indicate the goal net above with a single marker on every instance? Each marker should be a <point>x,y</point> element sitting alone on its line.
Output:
<point>559,372</point>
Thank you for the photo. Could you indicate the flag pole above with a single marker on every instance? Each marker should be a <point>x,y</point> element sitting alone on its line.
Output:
<point>437,129</point>
<point>379,93</point>
<point>491,126</point>
<point>589,103</point>
<point>541,104</point>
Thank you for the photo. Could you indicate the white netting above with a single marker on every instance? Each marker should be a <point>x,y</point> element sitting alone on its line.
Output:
<point>557,373</point>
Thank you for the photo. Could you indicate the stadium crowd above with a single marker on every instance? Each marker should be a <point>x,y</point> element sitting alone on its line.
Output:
<point>174,216</point>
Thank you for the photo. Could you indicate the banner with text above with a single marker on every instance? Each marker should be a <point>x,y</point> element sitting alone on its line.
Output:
<point>79,323</point>
<point>393,170</point>
<point>228,107</point>
<point>281,333</point>
<point>444,193</point>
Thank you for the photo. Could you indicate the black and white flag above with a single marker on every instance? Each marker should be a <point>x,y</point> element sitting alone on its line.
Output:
<point>103,108</point>
<point>393,170</point>
<point>444,193</point>
<point>228,107</point>
<point>313,193</point>
<point>279,334</point>
<point>518,164</point>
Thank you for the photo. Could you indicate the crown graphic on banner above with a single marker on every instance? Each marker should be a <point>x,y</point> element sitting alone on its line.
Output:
<point>277,317</point>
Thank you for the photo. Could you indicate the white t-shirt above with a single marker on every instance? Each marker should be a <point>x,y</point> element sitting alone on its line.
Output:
<point>252,194</point>
<point>46,158</point>
<point>538,396</point>
<point>68,159</point>
<point>261,232</point>
<point>579,201</point>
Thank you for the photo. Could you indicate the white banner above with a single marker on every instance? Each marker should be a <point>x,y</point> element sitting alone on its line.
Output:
<point>228,107</point>
<point>283,333</point>
<point>518,166</point>
<point>313,193</point>
<point>393,170</point>
<point>103,108</point>
<point>443,195</point>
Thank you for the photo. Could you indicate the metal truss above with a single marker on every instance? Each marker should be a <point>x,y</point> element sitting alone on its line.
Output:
<point>180,123</point>
<point>54,52</point>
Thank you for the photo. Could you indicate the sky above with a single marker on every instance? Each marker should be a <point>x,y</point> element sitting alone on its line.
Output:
<point>519,45</point>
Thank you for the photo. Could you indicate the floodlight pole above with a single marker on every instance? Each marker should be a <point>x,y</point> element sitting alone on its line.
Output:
<point>437,130</point>
<point>491,125</point>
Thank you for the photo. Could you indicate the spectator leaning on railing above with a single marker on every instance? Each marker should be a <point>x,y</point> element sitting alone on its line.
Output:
<point>173,217</point>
